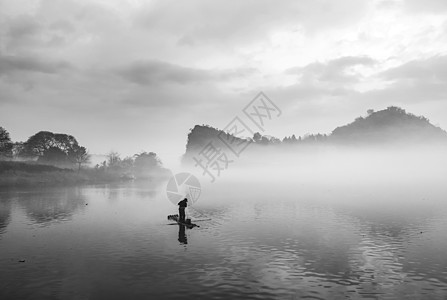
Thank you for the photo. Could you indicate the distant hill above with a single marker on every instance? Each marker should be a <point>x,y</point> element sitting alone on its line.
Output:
<point>388,126</point>
<point>201,135</point>
<point>393,124</point>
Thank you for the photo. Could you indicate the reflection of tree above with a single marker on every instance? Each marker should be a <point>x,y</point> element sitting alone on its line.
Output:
<point>149,189</point>
<point>55,205</point>
<point>5,212</point>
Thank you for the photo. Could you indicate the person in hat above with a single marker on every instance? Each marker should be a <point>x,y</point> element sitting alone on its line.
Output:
<point>181,209</point>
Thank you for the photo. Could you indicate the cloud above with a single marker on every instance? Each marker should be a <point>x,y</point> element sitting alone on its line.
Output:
<point>323,83</point>
<point>63,26</point>
<point>22,31</point>
<point>31,33</point>
<point>293,95</point>
<point>220,21</point>
<point>433,69</point>
<point>12,63</point>
<point>152,72</point>
<point>23,26</point>
<point>404,93</point>
<point>430,6</point>
<point>334,71</point>
<point>155,72</point>
<point>416,81</point>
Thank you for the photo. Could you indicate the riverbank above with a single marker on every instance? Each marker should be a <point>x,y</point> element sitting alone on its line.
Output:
<point>24,174</point>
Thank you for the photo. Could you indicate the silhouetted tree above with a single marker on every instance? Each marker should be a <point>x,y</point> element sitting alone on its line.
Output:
<point>79,155</point>
<point>43,141</point>
<point>5,143</point>
<point>17,148</point>
<point>37,144</point>
<point>54,155</point>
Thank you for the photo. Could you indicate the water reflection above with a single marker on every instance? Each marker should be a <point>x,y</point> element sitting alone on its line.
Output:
<point>139,189</point>
<point>5,214</point>
<point>44,207</point>
<point>251,248</point>
<point>182,238</point>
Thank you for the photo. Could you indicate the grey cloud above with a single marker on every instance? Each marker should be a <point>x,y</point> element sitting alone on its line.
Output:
<point>417,81</point>
<point>245,20</point>
<point>151,72</point>
<point>432,69</point>
<point>426,6</point>
<point>413,82</point>
<point>63,26</point>
<point>333,70</point>
<point>405,92</point>
<point>25,32</point>
<point>23,26</point>
<point>10,64</point>
<point>22,31</point>
<point>309,93</point>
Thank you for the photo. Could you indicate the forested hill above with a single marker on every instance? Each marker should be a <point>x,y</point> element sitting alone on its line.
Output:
<point>388,126</point>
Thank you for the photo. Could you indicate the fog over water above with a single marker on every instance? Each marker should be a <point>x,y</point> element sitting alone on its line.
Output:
<point>351,170</point>
<point>320,222</point>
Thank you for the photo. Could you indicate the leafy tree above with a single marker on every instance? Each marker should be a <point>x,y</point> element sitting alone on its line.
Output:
<point>5,143</point>
<point>79,155</point>
<point>262,140</point>
<point>37,144</point>
<point>17,148</point>
<point>42,141</point>
<point>146,163</point>
<point>55,148</point>
<point>54,155</point>
<point>257,137</point>
<point>113,159</point>
<point>65,142</point>
<point>127,163</point>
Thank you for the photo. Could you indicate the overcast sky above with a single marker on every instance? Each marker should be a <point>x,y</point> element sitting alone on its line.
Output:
<point>135,75</point>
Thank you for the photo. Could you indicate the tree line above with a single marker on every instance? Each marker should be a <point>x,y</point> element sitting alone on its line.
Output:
<point>63,150</point>
<point>141,165</point>
<point>45,147</point>
<point>391,125</point>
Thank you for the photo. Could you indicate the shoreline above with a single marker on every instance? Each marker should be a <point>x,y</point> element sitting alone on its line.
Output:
<point>22,175</point>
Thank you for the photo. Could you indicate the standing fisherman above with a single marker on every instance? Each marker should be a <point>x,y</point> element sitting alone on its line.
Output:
<point>181,209</point>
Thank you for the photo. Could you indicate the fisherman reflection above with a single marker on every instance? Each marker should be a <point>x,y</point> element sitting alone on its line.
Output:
<point>182,234</point>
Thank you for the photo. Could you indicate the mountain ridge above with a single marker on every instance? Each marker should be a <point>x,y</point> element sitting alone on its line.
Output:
<point>392,125</point>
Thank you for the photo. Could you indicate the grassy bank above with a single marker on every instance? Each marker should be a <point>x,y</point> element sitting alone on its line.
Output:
<point>18,174</point>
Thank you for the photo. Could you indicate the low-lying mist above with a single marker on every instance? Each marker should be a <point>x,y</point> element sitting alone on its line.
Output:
<point>333,173</point>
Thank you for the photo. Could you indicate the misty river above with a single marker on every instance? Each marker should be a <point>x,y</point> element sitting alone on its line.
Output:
<point>332,242</point>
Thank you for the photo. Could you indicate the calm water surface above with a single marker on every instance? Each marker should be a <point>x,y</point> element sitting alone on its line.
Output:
<point>114,242</point>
